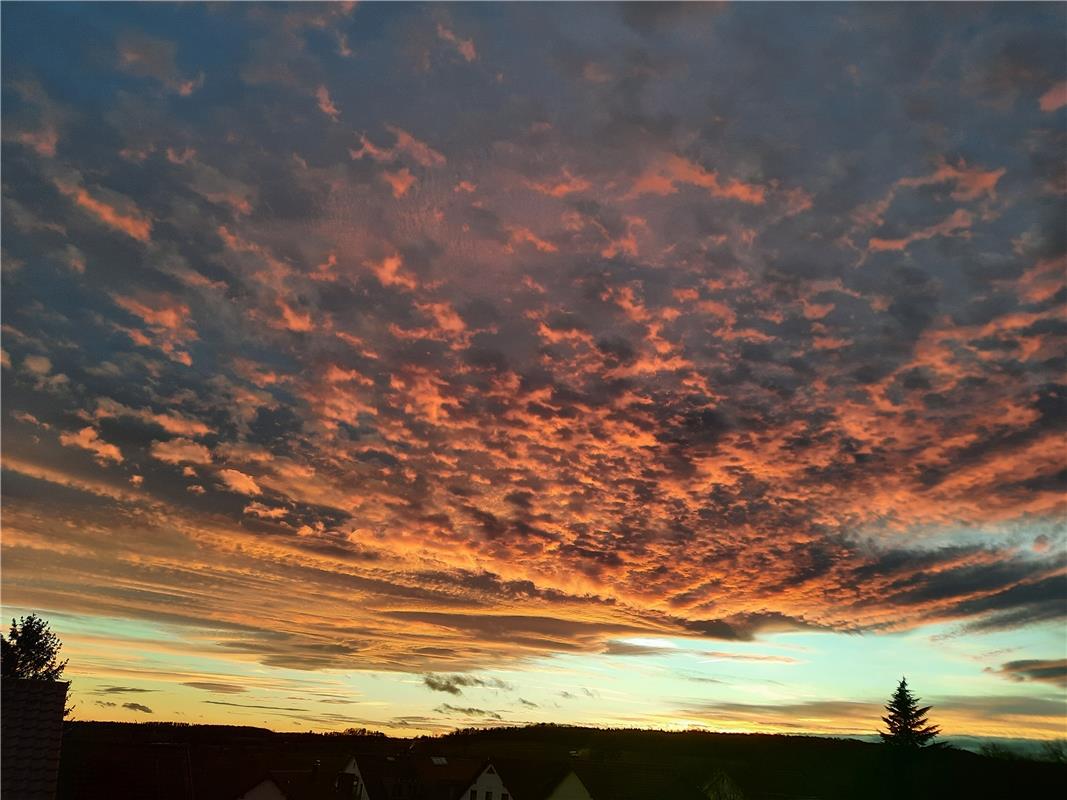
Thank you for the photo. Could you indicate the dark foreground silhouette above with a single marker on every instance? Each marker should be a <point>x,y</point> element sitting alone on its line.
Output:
<point>167,761</point>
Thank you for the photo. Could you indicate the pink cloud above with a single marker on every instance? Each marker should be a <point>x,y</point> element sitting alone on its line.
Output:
<point>326,104</point>
<point>465,47</point>
<point>1055,98</point>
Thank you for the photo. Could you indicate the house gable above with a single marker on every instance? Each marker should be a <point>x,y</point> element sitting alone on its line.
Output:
<point>487,786</point>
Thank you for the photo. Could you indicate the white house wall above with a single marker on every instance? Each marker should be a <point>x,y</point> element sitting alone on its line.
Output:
<point>487,782</point>
<point>353,769</point>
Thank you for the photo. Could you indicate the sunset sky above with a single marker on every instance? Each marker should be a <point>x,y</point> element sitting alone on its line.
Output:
<point>423,366</point>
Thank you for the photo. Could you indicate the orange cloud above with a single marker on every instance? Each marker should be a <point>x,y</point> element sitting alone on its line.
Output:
<point>390,272</point>
<point>518,234</point>
<point>562,186</point>
<point>399,181</point>
<point>128,220</point>
<point>168,321</point>
<point>959,220</point>
<point>971,182</point>
<point>239,482</point>
<point>405,145</point>
<point>171,421</point>
<point>663,176</point>
<point>292,320</point>
<point>88,439</point>
<point>180,451</point>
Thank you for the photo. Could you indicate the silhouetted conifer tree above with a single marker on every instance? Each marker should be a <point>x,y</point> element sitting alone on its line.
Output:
<point>31,651</point>
<point>907,723</point>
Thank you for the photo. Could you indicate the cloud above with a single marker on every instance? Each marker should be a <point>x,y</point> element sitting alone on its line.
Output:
<point>37,365</point>
<point>149,57</point>
<point>406,146</point>
<point>168,322</point>
<point>172,422</point>
<point>87,438</point>
<point>326,104</point>
<point>465,47</point>
<point>957,221</point>
<point>239,482</point>
<point>216,687</point>
<point>1032,669</point>
<point>663,177</point>
<point>445,708</point>
<point>455,684</point>
<point>1055,98</point>
<point>180,451</point>
<point>113,210</point>
<point>138,707</point>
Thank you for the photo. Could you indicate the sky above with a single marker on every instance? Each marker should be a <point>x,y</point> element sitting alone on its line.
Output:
<point>416,367</point>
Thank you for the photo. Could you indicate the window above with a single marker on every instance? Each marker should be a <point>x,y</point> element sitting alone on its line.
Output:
<point>505,796</point>
<point>474,794</point>
<point>488,795</point>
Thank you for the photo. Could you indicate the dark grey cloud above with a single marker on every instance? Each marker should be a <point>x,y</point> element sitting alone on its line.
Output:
<point>216,687</point>
<point>1034,669</point>
<point>455,684</point>
<point>445,708</point>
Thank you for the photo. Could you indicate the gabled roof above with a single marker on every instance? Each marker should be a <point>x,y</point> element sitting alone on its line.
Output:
<point>31,730</point>
<point>436,776</point>
<point>530,780</point>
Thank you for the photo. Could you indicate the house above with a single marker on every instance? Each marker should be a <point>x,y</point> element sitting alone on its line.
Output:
<point>506,779</point>
<point>412,776</point>
<point>407,776</point>
<point>314,781</point>
<point>31,729</point>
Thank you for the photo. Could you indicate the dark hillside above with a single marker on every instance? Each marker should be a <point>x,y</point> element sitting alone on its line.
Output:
<point>177,762</point>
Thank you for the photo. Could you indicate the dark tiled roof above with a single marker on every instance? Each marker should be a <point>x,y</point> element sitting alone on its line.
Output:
<point>31,731</point>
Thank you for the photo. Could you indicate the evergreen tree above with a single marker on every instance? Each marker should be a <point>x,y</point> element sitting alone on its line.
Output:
<point>31,650</point>
<point>907,723</point>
